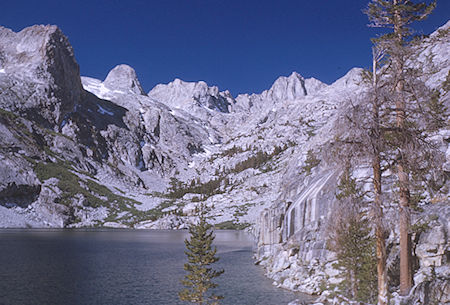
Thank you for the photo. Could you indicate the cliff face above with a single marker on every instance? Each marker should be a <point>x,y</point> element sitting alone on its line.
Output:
<point>293,233</point>
<point>44,83</point>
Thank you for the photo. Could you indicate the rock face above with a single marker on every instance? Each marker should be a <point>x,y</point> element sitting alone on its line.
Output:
<point>163,140</point>
<point>41,62</point>
<point>78,151</point>
<point>284,90</point>
<point>293,231</point>
<point>123,77</point>
<point>287,88</point>
<point>432,285</point>
<point>188,96</point>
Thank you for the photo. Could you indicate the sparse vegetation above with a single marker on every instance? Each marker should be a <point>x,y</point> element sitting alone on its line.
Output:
<point>351,239</point>
<point>231,225</point>
<point>71,185</point>
<point>420,227</point>
<point>7,114</point>
<point>257,160</point>
<point>178,189</point>
<point>310,162</point>
<point>218,185</point>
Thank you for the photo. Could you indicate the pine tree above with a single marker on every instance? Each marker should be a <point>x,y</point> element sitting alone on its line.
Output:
<point>398,15</point>
<point>350,238</point>
<point>376,148</point>
<point>363,141</point>
<point>198,280</point>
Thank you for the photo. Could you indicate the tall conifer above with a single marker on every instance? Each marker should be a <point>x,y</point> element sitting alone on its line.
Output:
<point>397,15</point>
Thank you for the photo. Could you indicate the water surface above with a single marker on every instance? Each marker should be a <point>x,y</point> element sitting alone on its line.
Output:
<point>122,267</point>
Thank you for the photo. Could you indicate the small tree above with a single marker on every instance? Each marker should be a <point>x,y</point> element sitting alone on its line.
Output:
<point>351,239</point>
<point>201,255</point>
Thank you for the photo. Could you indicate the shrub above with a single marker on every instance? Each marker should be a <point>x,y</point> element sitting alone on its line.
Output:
<point>310,162</point>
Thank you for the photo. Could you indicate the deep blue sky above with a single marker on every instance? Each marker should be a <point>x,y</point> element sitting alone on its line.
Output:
<point>240,45</point>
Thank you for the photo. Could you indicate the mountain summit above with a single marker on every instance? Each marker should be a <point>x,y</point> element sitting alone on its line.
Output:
<point>123,78</point>
<point>188,95</point>
<point>43,56</point>
<point>292,87</point>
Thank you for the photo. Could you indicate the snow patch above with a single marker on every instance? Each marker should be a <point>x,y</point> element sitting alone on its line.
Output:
<point>102,110</point>
<point>207,152</point>
<point>63,123</point>
<point>97,88</point>
<point>103,91</point>
<point>141,165</point>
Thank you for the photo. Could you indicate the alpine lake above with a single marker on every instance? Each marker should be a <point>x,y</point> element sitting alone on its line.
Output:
<point>115,266</point>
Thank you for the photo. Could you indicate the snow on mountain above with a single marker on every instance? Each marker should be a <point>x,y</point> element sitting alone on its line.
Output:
<point>120,86</point>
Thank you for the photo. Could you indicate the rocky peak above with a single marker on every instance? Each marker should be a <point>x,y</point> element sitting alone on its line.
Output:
<point>185,95</point>
<point>352,78</point>
<point>38,46</point>
<point>287,88</point>
<point>123,78</point>
<point>41,55</point>
<point>314,85</point>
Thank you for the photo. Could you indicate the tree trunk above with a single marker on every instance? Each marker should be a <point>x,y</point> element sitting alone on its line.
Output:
<point>404,213</point>
<point>379,233</point>
<point>405,238</point>
<point>353,283</point>
<point>376,166</point>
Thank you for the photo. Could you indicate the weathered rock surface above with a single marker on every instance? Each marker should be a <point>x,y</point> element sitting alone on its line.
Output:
<point>43,82</point>
<point>292,233</point>
<point>123,77</point>
<point>191,96</point>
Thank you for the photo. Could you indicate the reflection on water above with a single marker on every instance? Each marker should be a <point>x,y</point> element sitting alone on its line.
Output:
<point>121,267</point>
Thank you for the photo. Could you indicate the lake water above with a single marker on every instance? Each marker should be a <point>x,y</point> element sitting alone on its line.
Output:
<point>122,267</point>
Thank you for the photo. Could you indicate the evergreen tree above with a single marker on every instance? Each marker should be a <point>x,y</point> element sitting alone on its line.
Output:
<point>198,280</point>
<point>376,149</point>
<point>350,238</point>
<point>398,15</point>
<point>363,142</point>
